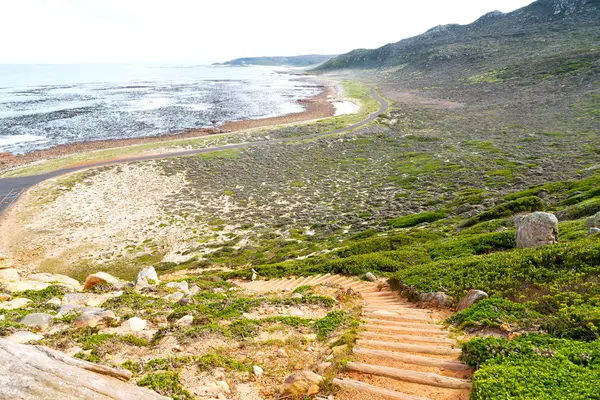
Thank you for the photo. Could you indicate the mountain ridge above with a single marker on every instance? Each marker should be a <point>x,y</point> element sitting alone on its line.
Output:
<point>535,19</point>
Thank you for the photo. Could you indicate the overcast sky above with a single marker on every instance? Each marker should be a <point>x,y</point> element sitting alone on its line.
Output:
<point>206,31</point>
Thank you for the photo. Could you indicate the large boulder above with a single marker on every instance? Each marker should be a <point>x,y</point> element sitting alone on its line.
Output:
<point>436,299</point>
<point>303,383</point>
<point>536,229</point>
<point>24,337</point>
<point>102,277</point>
<point>13,304</point>
<point>37,372</point>
<point>147,277</point>
<point>471,298</point>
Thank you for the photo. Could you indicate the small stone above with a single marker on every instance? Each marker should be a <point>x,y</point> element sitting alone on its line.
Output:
<point>74,299</point>
<point>174,297</point>
<point>19,302</point>
<point>5,261</point>
<point>297,296</point>
<point>147,277</point>
<point>5,297</point>
<point>310,349</point>
<point>536,229</point>
<point>181,286</point>
<point>258,371</point>
<point>178,348</point>
<point>505,327</point>
<point>102,277</point>
<point>472,297</point>
<point>370,277</point>
<point>55,301</point>
<point>194,289</point>
<point>254,275</point>
<point>185,301</point>
<point>593,231</point>
<point>281,353</point>
<point>324,366</point>
<point>38,321</point>
<point>185,320</point>
<point>88,319</point>
<point>24,337</point>
<point>108,316</point>
<point>301,383</point>
<point>218,290</point>
<point>136,324</point>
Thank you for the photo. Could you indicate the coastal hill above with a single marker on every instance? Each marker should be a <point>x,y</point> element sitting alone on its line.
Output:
<point>287,61</point>
<point>543,30</point>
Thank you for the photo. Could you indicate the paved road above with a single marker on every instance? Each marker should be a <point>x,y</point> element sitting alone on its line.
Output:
<point>12,188</point>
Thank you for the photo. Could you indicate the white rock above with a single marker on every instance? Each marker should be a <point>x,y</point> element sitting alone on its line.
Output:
<point>38,321</point>
<point>174,297</point>
<point>182,286</point>
<point>136,324</point>
<point>74,299</point>
<point>536,229</point>
<point>56,279</point>
<point>19,302</point>
<point>258,371</point>
<point>25,284</point>
<point>5,261</point>
<point>147,276</point>
<point>185,320</point>
<point>55,301</point>
<point>24,337</point>
<point>88,319</point>
<point>8,275</point>
<point>370,277</point>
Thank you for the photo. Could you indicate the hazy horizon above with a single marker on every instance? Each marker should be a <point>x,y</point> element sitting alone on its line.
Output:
<point>190,32</point>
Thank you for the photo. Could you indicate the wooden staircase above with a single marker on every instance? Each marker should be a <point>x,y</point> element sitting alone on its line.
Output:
<point>403,352</point>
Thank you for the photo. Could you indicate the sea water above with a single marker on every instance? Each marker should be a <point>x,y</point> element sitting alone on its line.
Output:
<point>42,106</point>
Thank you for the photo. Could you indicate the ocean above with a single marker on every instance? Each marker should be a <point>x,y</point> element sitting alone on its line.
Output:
<point>42,106</point>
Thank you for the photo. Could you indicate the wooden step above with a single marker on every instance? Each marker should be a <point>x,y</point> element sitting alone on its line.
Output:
<point>302,282</point>
<point>402,324</point>
<point>394,316</point>
<point>321,279</point>
<point>408,330</point>
<point>415,348</point>
<point>413,338</point>
<point>413,359</point>
<point>425,378</point>
<point>374,390</point>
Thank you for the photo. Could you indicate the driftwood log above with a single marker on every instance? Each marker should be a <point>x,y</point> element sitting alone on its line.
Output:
<point>37,372</point>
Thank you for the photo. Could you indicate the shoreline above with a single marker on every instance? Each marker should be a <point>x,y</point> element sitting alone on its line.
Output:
<point>315,107</point>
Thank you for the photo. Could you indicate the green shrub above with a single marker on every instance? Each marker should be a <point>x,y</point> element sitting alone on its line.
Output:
<point>331,322</point>
<point>167,384</point>
<point>530,203</point>
<point>415,219</point>
<point>494,312</point>
<point>466,245</point>
<point>511,274</point>
<point>533,366</point>
<point>581,210</point>
<point>575,322</point>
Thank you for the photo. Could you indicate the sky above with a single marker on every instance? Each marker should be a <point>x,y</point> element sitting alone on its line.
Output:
<point>207,31</point>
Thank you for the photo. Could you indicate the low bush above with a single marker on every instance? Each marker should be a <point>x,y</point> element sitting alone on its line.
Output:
<point>494,312</point>
<point>415,219</point>
<point>533,366</point>
<point>529,203</point>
